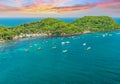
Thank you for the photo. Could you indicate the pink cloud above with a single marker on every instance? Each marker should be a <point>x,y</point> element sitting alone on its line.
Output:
<point>52,6</point>
<point>111,5</point>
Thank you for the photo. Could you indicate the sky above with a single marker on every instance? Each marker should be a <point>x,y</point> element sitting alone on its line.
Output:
<point>59,8</point>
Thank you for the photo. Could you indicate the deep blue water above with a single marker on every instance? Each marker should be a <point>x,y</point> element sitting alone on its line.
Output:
<point>99,65</point>
<point>117,20</point>
<point>18,21</point>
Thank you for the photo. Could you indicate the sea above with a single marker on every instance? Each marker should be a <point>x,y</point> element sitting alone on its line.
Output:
<point>83,59</point>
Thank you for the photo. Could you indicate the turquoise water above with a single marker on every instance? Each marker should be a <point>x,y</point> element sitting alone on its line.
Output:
<point>59,63</point>
<point>99,65</point>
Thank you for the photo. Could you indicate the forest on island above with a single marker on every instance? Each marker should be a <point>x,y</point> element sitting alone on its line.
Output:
<point>54,27</point>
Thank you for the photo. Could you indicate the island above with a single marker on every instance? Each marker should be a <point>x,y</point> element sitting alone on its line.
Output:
<point>54,27</point>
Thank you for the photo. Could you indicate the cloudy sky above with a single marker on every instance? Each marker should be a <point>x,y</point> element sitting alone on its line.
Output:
<point>59,8</point>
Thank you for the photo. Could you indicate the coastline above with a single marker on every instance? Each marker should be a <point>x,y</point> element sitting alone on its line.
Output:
<point>28,36</point>
<point>53,27</point>
<point>25,36</point>
<point>22,36</point>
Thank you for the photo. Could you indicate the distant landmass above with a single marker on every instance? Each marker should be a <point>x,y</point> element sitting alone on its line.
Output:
<point>54,27</point>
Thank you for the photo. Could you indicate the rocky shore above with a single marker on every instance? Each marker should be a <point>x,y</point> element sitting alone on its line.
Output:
<point>28,36</point>
<point>21,36</point>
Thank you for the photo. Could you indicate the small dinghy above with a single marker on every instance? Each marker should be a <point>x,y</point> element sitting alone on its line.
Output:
<point>84,44</point>
<point>64,51</point>
<point>39,48</point>
<point>104,35</point>
<point>62,43</point>
<point>89,48</point>
<point>54,47</point>
<point>30,46</point>
<point>26,50</point>
<point>67,42</point>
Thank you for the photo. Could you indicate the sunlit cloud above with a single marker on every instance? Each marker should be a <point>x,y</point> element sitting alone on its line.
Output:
<point>110,5</point>
<point>56,6</point>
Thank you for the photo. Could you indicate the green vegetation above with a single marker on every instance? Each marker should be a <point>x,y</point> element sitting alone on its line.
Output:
<point>6,33</point>
<point>96,23</point>
<point>54,27</point>
<point>49,26</point>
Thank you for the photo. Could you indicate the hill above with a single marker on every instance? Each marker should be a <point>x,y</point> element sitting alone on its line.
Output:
<point>49,26</point>
<point>54,27</point>
<point>96,23</point>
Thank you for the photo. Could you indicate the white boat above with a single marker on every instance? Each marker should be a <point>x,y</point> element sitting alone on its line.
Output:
<point>54,47</point>
<point>30,46</point>
<point>84,44</point>
<point>39,48</point>
<point>26,50</point>
<point>89,48</point>
<point>67,42</point>
<point>65,51</point>
<point>103,35</point>
<point>62,43</point>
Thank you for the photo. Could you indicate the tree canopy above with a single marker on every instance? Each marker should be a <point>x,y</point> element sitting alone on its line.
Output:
<point>96,23</point>
<point>54,27</point>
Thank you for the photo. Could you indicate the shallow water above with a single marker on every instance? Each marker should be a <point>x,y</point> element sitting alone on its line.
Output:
<point>99,65</point>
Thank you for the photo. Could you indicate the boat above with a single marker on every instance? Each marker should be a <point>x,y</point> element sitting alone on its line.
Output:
<point>26,50</point>
<point>64,51</point>
<point>54,47</point>
<point>84,44</point>
<point>62,43</point>
<point>89,48</point>
<point>30,46</point>
<point>103,35</point>
<point>67,42</point>
<point>39,48</point>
